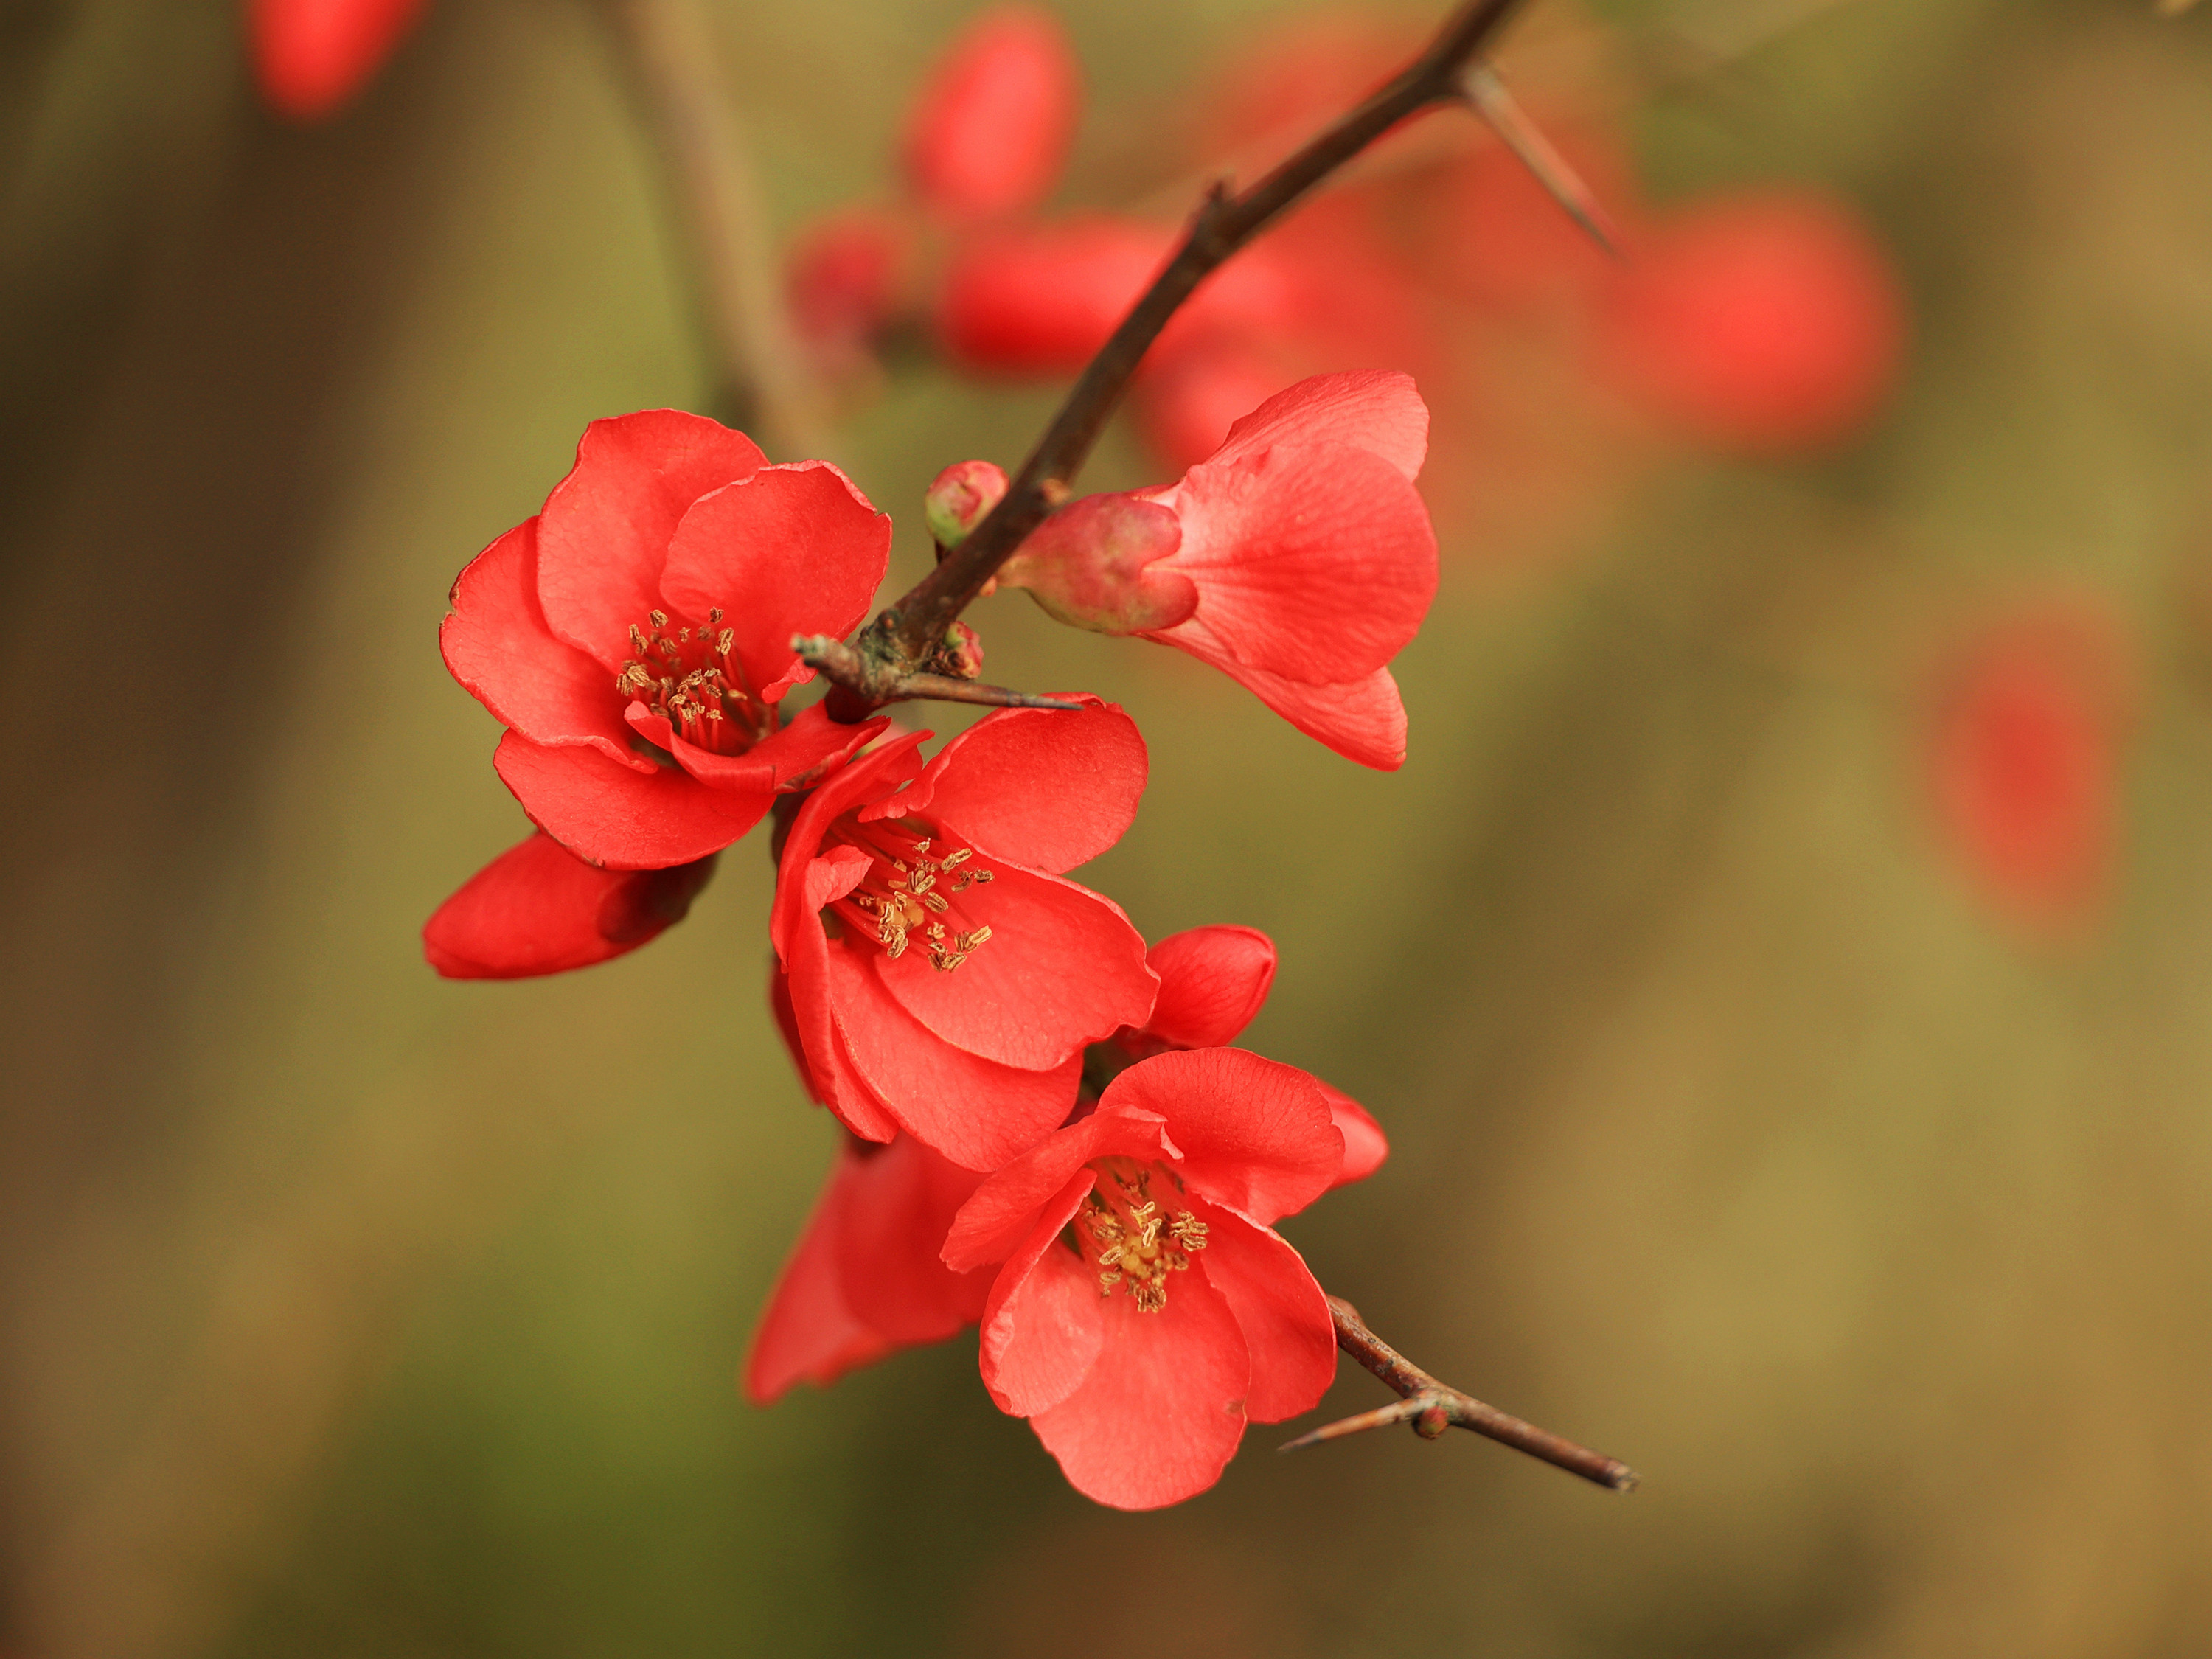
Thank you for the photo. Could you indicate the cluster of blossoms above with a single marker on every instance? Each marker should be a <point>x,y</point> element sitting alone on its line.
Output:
<point>1045,1130</point>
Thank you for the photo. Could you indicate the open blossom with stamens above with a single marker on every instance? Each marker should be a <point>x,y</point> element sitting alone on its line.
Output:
<point>634,638</point>
<point>942,978</point>
<point>866,1278</point>
<point>1145,1309</point>
<point>1298,558</point>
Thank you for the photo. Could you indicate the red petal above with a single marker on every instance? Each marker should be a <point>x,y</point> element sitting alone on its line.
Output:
<point>809,1333</point>
<point>905,1196</point>
<point>1254,1135</point>
<point>537,909</point>
<point>790,758</point>
<point>1365,1145</point>
<point>1041,1326</point>
<point>311,56</point>
<point>1044,788</point>
<point>1160,1413</point>
<point>1375,410</point>
<point>993,1223</point>
<point>975,1112</point>
<point>1279,1306</point>
<point>604,536</point>
<point>1213,981</point>
<point>496,644</point>
<point>604,812</point>
<point>791,550</point>
<point>1362,719</point>
<point>990,130</point>
<point>1315,563</point>
<point>1063,968</point>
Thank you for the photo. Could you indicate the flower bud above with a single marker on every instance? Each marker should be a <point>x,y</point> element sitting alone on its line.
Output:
<point>1087,565</point>
<point>990,131</point>
<point>959,654</point>
<point>957,499</point>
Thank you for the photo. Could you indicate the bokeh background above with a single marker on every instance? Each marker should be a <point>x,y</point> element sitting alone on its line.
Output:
<point>1742,1127</point>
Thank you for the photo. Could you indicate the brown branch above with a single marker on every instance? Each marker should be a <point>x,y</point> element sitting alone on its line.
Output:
<point>1432,1406</point>
<point>673,61</point>
<point>903,635</point>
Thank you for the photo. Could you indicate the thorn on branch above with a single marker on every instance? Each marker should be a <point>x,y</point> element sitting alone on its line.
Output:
<point>1432,1406</point>
<point>1486,95</point>
<point>875,684</point>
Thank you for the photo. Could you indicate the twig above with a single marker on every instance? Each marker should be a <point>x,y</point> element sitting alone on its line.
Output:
<point>668,50</point>
<point>1487,96</point>
<point>898,640</point>
<point>844,666</point>
<point>1432,1407</point>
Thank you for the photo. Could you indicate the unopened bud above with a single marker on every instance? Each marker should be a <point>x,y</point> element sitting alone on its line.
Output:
<point>957,500</point>
<point>960,654</point>
<point>1096,564</point>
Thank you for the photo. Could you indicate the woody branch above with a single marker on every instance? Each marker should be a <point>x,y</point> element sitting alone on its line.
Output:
<point>878,666</point>
<point>1432,1406</point>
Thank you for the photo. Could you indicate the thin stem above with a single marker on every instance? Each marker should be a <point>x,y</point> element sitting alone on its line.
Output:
<point>904,634</point>
<point>1432,1406</point>
<point>838,662</point>
<point>668,50</point>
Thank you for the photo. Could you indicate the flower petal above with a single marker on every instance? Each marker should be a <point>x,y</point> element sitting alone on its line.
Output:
<point>1063,967</point>
<point>890,1247</point>
<point>605,813</point>
<point>1161,1411</point>
<point>604,536</point>
<point>1256,1135</point>
<point>537,909</point>
<point>1362,719</point>
<point>975,1112</point>
<point>496,643</point>
<point>1041,1326</point>
<point>1376,409</point>
<point>786,759</point>
<point>1045,787</point>
<point>801,993</point>
<point>1213,981</point>
<point>1315,563</point>
<point>1365,1144</point>
<point>1279,1306</point>
<point>991,1224</point>
<point>790,550</point>
<point>809,1333</point>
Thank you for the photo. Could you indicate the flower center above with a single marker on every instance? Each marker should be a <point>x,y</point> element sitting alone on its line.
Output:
<point>691,678</point>
<point>911,893</point>
<point>1135,1243</point>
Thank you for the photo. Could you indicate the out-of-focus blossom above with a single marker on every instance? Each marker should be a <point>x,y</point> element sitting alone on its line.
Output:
<point>1041,298</point>
<point>845,279</point>
<point>537,909</point>
<point>634,638</point>
<point>988,133</point>
<point>1146,1309</point>
<point>1298,559</point>
<point>942,978</point>
<point>2024,756</point>
<point>1770,323</point>
<point>866,1277</point>
<point>311,56</point>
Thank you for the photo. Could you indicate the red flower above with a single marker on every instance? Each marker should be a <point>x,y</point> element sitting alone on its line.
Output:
<point>538,909</point>
<point>866,1279</point>
<point>989,131</point>
<point>635,636</point>
<point>1769,323</point>
<point>1298,559</point>
<point>943,980</point>
<point>310,56</point>
<point>2025,761</point>
<point>1145,1309</point>
<point>1041,299</point>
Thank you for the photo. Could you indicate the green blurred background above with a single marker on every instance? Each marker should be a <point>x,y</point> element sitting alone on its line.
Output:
<point>348,1312</point>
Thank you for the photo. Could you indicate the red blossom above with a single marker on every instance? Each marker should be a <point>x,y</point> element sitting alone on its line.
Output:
<point>1145,1309</point>
<point>1041,298</point>
<point>635,637</point>
<point>311,56</point>
<point>989,131</point>
<point>537,909</point>
<point>943,979</point>
<point>1298,558</point>
<point>1770,322</point>
<point>845,279</point>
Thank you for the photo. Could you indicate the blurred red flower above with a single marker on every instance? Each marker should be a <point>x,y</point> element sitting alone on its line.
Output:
<point>537,909</point>
<point>1161,1200</point>
<point>1297,558</point>
<point>941,978</point>
<point>988,132</point>
<point>2024,756</point>
<point>634,638</point>
<point>1768,322</point>
<point>311,56</point>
